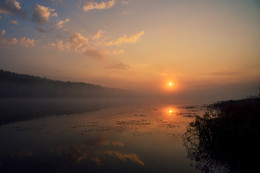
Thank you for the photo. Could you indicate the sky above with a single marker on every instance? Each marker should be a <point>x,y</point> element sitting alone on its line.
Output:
<point>206,48</point>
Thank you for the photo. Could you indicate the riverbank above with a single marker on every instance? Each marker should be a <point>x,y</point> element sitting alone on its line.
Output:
<point>226,137</point>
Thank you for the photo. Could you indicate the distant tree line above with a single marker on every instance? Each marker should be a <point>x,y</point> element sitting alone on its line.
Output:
<point>13,85</point>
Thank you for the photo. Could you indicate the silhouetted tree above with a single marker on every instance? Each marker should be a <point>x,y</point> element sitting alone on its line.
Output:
<point>226,140</point>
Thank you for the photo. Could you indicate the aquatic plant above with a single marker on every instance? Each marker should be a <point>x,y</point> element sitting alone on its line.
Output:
<point>225,139</point>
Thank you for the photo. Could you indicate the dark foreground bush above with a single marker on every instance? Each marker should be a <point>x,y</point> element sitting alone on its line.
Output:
<point>226,138</point>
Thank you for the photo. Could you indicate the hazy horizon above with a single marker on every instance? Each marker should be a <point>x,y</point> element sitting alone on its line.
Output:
<point>208,50</point>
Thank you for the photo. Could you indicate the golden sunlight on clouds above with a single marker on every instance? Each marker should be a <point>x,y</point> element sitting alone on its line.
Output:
<point>98,35</point>
<point>90,5</point>
<point>126,39</point>
<point>180,48</point>
<point>42,14</point>
<point>61,22</point>
<point>10,7</point>
<point>124,157</point>
<point>15,22</point>
<point>23,41</point>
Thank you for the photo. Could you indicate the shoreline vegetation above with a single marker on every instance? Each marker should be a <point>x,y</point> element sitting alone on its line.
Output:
<point>226,137</point>
<point>13,85</point>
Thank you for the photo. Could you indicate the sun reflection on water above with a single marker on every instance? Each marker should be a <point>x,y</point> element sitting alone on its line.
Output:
<point>169,110</point>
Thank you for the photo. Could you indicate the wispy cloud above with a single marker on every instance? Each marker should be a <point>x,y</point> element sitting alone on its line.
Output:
<point>117,143</point>
<point>90,5</point>
<point>124,2</point>
<point>79,44</point>
<point>125,157</point>
<point>58,25</point>
<point>61,22</point>
<point>98,35</point>
<point>119,66</point>
<point>118,52</point>
<point>125,39</point>
<point>42,14</point>
<point>3,32</point>
<point>40,30</point>
<point>15,22</point>
<point>75,153</point>
<point>95,53</point>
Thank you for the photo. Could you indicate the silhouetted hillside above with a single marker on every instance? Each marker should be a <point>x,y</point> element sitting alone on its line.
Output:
<point>13,85</point>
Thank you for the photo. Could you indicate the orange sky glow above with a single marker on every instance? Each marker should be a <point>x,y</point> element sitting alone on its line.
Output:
<point>198,46</point>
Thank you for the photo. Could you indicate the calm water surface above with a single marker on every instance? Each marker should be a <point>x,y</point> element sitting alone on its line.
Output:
<point>94,136</point>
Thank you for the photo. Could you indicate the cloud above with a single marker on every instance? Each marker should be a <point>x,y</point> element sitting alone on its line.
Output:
<point>97,161</point>
<point>26,42</point>
<point>98,35</point>
<point>75,153</point>
<point>126,39</point>
<point>90,5</point>
<point>119,66</point>
<point>42,14</point>
<point>60,45</point>
<point>10,7</point>
<point>5,42</point>
<point>125,157</point>
<point>79,44</point>
<point>41,30</point>
<point>54,14</point>
<point>124,2</point>
<point>93,52</point>
<point>224,73</point>
<point>15,22</point>
<point>58,25</point>
<point>61,22</point>
<point>3,32</point>
<point>118,52</point>
<point>117,143</point>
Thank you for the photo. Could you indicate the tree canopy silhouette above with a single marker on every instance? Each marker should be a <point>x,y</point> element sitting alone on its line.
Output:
<point>14,85</point>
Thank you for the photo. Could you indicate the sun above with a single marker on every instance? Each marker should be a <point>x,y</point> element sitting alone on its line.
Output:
<point>169,85</point>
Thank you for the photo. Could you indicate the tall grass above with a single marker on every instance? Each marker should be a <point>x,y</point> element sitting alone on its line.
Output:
<point>226,138</point>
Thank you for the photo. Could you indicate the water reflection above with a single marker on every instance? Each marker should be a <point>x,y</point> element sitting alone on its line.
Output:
<point>127,138</point>
<point>13,110</point>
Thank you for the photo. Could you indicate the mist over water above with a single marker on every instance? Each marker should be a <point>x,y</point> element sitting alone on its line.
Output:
<point>129,86</point>
<point>96,135</point>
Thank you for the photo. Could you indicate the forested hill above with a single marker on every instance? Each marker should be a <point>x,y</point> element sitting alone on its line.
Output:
<point>13,85</point>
